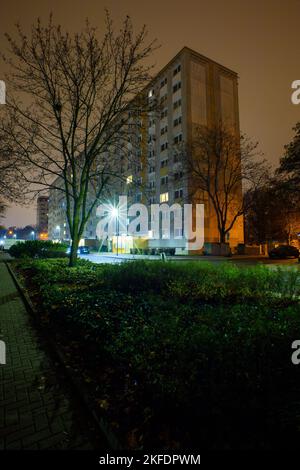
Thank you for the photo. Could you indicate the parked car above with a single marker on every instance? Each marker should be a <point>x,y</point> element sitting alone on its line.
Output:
<point>284,251</point>
<point>82,250</point>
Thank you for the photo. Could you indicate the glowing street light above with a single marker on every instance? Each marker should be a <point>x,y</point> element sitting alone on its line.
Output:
<point>32,234</point>
<point>115,212</point>
<point>115,215</point>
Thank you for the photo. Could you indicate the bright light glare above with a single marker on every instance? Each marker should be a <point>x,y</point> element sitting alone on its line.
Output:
<point>114,212</point>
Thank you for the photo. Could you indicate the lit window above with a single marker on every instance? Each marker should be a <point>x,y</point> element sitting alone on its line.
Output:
<point>164,197</point>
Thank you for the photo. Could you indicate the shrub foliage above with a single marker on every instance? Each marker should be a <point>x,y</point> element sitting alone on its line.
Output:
<point>209,346</point>
<point>38,249</point>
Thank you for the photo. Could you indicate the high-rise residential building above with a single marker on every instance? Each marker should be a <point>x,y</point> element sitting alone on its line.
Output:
<point>191,90</point>
<point>42,214</point>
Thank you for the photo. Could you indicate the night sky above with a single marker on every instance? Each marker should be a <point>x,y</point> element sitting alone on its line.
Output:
<point>260,40</point>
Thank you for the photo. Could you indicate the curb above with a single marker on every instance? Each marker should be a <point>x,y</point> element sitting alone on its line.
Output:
<point>101,423</point>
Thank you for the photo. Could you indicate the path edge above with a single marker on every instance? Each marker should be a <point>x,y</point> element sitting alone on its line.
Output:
<point>78,387</point>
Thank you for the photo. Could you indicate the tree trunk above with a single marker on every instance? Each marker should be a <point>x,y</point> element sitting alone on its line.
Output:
<point>75,234</point>
<point>222,236</point>
<point>73,253</point>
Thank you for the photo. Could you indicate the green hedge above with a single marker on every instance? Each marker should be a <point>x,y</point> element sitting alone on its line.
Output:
<point>38,249</point>
<point>209,344</point>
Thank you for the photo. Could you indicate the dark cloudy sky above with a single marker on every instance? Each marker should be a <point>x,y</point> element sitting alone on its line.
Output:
<point>259,39</point>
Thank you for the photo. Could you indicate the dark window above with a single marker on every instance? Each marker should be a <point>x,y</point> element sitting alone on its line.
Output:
<point>178,175</point>
<point>177,70</point>
<point>176,87</point>
<point>163,82</point>
<point>177,121</point>
<point>178,139</point>
<point>178,193</point>
<point>177,104</point>
<point>164,113</point>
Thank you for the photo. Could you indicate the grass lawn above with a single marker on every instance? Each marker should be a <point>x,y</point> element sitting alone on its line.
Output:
<point>179,355</point>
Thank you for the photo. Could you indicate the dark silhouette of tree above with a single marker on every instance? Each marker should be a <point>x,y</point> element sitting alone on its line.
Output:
<point>289,168</point>
<point>219,163</point>
<point>11,187</point>
<point>273,214</point>
<point>80,88</point>
<point>2,209</point>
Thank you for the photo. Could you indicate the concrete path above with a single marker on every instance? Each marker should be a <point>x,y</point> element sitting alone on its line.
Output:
<point>37,407</point>
<point>239,260</point>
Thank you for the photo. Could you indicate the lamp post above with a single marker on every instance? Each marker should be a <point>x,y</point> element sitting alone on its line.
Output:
<point>115,213</point>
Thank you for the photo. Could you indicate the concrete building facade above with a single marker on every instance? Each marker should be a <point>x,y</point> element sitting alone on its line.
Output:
<point>191,90</point>
<point>42,213</point>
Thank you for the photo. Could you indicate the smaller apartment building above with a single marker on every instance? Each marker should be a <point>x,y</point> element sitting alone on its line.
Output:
<point>42,213</point>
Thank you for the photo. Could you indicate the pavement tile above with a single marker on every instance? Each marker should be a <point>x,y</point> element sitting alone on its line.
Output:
<point>34,413</point>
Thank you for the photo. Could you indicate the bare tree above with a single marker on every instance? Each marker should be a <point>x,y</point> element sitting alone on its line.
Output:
<point>2,209</point>
<point>219,164</point>
<point>11,188</point>
<point>289,168</point>
<point>273,213</point>
<point>80,90</point>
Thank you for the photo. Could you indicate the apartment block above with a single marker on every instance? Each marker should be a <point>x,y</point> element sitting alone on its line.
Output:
<point>42,213</point>
<point>191,90</point>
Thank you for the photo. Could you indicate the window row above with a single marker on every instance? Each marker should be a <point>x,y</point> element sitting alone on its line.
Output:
<point>176,87</point>
<point>164,179</point>
<point>164,197</point>
<point>164,114</point>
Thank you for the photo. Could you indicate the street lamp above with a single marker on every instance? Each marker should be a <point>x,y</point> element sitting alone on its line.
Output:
<point>115,214</point>
<point>32,234</point>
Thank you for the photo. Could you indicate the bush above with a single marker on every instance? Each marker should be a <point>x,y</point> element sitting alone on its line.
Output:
<point>38,249</point>
<point>207,344</point>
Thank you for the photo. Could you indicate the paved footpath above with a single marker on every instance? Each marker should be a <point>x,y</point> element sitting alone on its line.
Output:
<point>37,408</point>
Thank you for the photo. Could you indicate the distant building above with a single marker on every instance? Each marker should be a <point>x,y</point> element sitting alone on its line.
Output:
<point>191,90</point>
<point>42,214</point>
